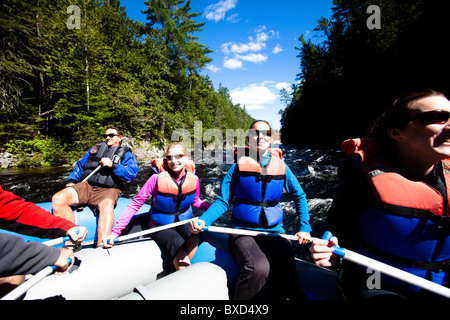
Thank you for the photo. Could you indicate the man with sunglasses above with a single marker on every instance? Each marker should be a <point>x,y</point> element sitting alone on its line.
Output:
<point>97,181</point>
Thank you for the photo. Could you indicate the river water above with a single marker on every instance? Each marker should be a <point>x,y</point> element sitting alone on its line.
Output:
<point>315,169</point>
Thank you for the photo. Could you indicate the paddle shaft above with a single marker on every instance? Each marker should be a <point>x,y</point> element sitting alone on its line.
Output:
<point>249,232</point>
<point>388,270</point>
<point>152,230</point>
<point>146,232</point>
<point>64,239</point>
<point>353,257</point>
<point>92,173</point>
<point>123,238</point>
<point>115,159</point>
<point>56,241</point>
<point>27,285</point>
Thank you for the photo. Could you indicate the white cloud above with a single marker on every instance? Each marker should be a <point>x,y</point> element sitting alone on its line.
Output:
<point>233,47</point>
<point>253,57</point>
<point>260,28</point>
<point>212,68</point>
<point>232,64</point>
<point>218,10</point>
<point>262,37</point>
<point>234,18</point>
<point>284,85</point>
<point>274,34</point>
<point>255,96</point>
<point>234,51</point>
<point>277,49</point>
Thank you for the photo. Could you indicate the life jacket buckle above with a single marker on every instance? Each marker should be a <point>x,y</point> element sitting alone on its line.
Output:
<point>265,178</point>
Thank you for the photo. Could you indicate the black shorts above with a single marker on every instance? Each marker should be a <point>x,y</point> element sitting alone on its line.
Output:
<point>172,239</point>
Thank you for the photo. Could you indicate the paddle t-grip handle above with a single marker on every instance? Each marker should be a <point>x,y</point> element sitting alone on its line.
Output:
<point>327,235</point>
<point>336,250</point>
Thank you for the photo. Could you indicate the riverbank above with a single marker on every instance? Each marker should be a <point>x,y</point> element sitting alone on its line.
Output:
<point>143,151</point>
<point>7,160</point>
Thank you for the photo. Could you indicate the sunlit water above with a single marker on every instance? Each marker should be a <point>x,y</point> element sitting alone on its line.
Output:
<point>315,169</point>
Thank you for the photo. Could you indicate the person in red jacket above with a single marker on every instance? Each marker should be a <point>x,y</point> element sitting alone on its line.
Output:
<point>29,219</point>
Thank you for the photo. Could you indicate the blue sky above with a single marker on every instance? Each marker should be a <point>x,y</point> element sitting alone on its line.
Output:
<point>254,46</point>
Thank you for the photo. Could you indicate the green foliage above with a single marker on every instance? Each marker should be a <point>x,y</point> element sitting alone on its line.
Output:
<point>356,72</point>
<point>63,86</point>
<point>41,152</point>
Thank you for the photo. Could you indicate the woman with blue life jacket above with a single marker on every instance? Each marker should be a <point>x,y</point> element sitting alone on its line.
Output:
<point>256,182</point>
<point>174,191</point>
<point>393,205</point>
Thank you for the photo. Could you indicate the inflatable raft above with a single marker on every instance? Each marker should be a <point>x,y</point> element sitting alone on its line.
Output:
<point>86,218</point>
<point>139,270</point>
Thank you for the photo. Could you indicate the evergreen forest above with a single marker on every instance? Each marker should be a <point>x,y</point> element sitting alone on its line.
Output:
<point>70,68</point>
<point>370,53</point>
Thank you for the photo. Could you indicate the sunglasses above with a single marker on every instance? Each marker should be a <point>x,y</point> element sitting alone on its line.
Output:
<point>176,156</point>
<point>432,117</point>
<point>265,133</point>
<point>111,135</point>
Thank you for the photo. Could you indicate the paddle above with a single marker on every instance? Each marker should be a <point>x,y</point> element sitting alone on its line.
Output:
<point>115,159</point>
<point>58,240</point>
<point>27,285</point>
<point>387,269</point>
<point>122,238</point>
<point>152,230</point>
<point>249,232</point>
<point>92,173</point>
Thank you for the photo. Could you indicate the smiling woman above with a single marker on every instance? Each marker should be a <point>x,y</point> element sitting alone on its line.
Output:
<point>174,191</point>
<point>417,127</point>
<point>394,203</point>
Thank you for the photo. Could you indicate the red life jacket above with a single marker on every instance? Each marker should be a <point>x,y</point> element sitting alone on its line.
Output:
<point>173,201</point>
<point>408,227</point>
<point>392,188</point>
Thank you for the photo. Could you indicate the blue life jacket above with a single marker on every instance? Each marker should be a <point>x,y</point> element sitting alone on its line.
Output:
<point>105,177</point>
<point>173,201</point>
<point>258,190</point>
<point>409,225</point>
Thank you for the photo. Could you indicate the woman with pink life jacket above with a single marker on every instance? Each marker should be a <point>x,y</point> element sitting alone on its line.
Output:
<point>174,191</point>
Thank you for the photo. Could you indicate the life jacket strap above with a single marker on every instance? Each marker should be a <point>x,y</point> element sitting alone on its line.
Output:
<point>435,266</point>
<point>270,203</point>
<point>442,222</point>
<point>172,213</point>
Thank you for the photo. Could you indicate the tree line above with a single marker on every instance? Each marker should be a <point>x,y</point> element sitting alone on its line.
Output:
<point>367,58</point>
<point>69,68</point>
